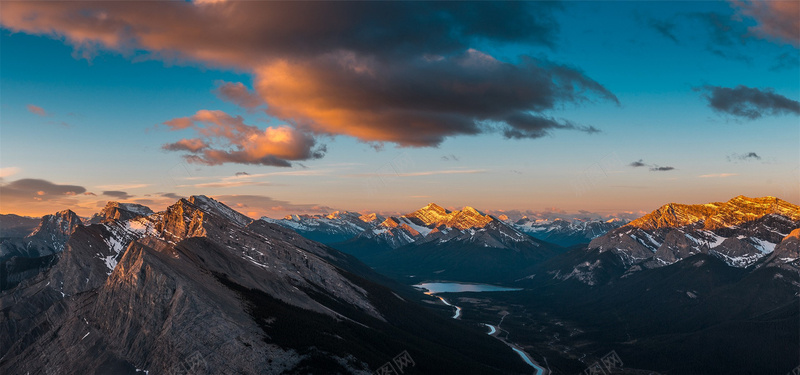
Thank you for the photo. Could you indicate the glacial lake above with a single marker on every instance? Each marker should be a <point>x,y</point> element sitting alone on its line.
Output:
<point>434,288</point>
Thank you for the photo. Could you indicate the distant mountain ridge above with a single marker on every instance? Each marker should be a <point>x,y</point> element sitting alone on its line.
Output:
<point>435,224</point>
<point>567,232</point>
<point>337,226</point>
<point>747,233</point>
<point>17,226</point>
<point>23,258</point>
<point>740,231</point>
<point>736,211</point>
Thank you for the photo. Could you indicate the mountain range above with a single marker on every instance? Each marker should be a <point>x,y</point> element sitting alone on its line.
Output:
<point>436,243</point>
<point>686,289</point>
<point>567,233</point>
<point>396,231</point>
<point>201,288</point>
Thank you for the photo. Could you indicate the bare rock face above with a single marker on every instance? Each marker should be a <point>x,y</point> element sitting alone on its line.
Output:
<point>56,228</point>
<point>633,245</point>
<point>787,253</point>
<point>676,246</point>
<point>737,252</point>
<point>120,211</point>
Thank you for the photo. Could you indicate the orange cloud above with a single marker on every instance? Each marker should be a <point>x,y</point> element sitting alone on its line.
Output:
<point>259,205</point>
<point>776,19</point>
<point>241,143</point>
<point>191,145</point>
<point>380,72</point>
<point>35,109</point>
<point>238,94</point>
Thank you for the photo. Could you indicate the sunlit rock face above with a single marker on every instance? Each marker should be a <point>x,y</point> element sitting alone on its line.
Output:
<point>741,232</point>
<point>433,223</point>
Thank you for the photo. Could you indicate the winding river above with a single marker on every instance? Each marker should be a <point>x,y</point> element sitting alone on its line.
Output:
<point>433,288</point>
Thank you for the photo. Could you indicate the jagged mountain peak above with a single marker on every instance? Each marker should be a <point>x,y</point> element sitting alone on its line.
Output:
<point>61,223</point>
<point>390,222</point>
<point>430,214</point>
<point>369,218</point>
<point>120,211</point>
<point>435,215</point>
<point>213,206</point>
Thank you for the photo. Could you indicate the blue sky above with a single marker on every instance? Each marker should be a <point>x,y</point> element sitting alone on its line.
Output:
<point>82,112</point>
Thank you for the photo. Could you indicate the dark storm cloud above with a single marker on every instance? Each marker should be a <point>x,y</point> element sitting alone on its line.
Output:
<point>40,189</point>
<point>400,72</point>
<point>748,102</point>
<point>638,163</point>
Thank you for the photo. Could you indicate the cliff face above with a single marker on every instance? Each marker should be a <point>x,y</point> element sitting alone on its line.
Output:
<point>120,211</point>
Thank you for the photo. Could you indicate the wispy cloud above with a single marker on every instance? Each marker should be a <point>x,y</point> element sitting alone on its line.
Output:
<point>8,171</point>
<point>258,205</point>
<point>748,156</point>
<point>424,173</point>
<point>657,168</point>
<point>638,163</point>
<point>653,167</point>
<point>775,19</point>
<point>35,109</point>
<point>254,179</point>
<point>718,175</point>
<point>117,194</point>
<point>749,102</point>
<point>123,186</point>
<point>227,184</point>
